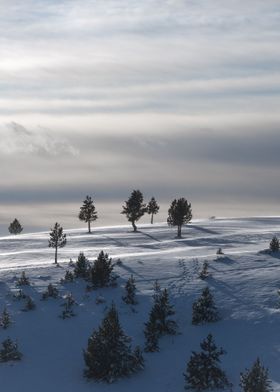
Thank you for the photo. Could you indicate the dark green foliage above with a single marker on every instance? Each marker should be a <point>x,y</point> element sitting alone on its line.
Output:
<point>5,319</point>
<point>108,355</point>
<point>87,212</point>
<point>134,208</point>
<point>23,280</point>
<point>130,288</point>
<point>101,271</point>
<point>204,274</point>
<point>57,239</point>
<point>68,277</point>
<point>274,244</point>
<point>256,379</point>
<point>179,214</point>
<point>68,307</point>
<point>9,351</point>
<point>82,266</point>
<point>15,227</point>
<point>203,371</point>
<point>51,292</point>
<point>204,309</point>
<point>152,208</point>
<point>159,322</point>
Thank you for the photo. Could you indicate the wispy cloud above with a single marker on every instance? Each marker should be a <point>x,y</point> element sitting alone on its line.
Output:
<point>16,139</point>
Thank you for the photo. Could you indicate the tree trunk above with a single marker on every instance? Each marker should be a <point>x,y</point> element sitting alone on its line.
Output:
<point>179,231</point>
<point>89,227</point>
<point>55,256</point>
<point>134,226</point>
<point>152,219</point>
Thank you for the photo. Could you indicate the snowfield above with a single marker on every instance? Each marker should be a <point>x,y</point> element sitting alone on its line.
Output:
<point>244,283</point>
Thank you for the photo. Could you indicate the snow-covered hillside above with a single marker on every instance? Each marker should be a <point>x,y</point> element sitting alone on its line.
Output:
<point>244,284</point>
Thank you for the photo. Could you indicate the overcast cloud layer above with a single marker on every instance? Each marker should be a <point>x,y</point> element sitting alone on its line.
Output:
<point>177,98</point>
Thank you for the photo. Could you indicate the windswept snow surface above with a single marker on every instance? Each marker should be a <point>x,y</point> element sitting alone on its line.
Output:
<point>244,283</point>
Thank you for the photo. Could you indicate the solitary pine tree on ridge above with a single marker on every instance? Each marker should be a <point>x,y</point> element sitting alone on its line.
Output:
<point>152,208</point>
<point>87,212</point>
<point>179,214</point>
<point>15,227</point>
<point>57,239</point>
<point>134,208</point>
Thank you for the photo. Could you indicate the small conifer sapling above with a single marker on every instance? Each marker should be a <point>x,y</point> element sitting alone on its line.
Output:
<point>204,309</point>
<point>9,351</point>
<point>130,288</point>
<point>15,227</point>
<point>274,245</point>
<point>255,379</point>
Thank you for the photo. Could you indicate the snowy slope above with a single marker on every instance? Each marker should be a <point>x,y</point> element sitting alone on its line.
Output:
<point>244,284</point>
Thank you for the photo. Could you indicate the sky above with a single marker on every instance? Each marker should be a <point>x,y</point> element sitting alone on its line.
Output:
<point>176,98</point>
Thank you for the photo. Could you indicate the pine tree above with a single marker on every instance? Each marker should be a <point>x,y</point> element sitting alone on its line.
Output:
<point>274,244</point>
<point>256,379</point>
<point>68,277</point>
<point>130,288</point>
<point>108,355</point>
<point>151,333</point>
<point>57,239</point>
<point>22,280</point>
<point>204,274</point>
<point>5,319</point>
<point>163,311</point>
<point>179,213</point>
<point>30,304</point>
<point>82,265</point>
<point>68,307</point>
<point>204,309</point>
<point>51,292</point>
<point>159,322</point>
<point>101,271</point>
<point>9,351</point>
<point>87,212</point>
<point>15,227</point>
<point>203,371</point>
<point>152,208</point>
<point>134,208</point>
